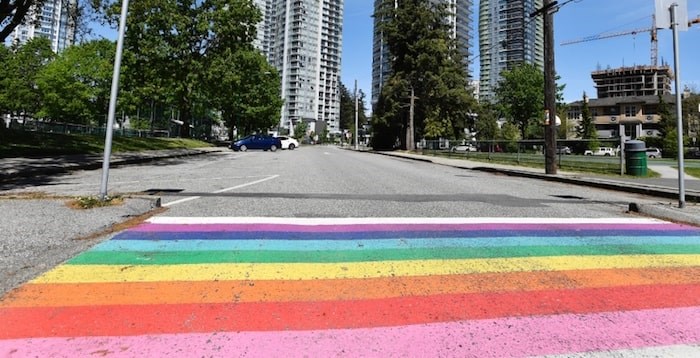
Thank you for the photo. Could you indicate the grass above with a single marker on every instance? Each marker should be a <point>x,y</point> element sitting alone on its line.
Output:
<point>695,172</point>
<point>15,143</point>
<point>580,164</point>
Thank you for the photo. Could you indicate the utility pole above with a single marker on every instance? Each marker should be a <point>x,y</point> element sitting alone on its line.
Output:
<point>356,118</point>
<point>550,103</point>
<point>410,142</point>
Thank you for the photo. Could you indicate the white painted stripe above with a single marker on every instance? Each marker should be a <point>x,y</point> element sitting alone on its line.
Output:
<point>222,190</point>
<point>676,351</point>
<point>396,220</point>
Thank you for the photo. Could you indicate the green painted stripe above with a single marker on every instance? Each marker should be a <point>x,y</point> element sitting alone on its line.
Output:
<point>330,256</point>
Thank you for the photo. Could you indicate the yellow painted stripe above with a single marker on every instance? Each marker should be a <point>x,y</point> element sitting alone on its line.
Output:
<point>311,271</point>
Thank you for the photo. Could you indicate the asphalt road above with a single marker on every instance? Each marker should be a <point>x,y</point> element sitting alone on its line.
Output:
<point>331,182</point>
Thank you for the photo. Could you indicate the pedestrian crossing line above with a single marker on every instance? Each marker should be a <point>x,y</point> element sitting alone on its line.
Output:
<point>366,287</point>
<point>183,292</point>
<point>349,314</point>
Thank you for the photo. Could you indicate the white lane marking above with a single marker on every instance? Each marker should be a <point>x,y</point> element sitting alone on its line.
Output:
<point>222,190</point>
<point>401,220</point>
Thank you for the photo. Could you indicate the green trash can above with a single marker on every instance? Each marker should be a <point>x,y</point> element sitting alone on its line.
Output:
<point>635,158</point>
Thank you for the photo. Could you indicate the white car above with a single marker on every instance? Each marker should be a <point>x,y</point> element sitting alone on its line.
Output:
<point>464,148</point>
<point>289,143</point>
<point>653,152</point>
<point>604,151</point>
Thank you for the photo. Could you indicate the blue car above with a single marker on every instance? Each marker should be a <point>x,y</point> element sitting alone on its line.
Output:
<point>257,141</point>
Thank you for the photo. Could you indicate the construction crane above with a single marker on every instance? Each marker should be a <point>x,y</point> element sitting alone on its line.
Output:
<point>606,35</point>
<point>652,30</point>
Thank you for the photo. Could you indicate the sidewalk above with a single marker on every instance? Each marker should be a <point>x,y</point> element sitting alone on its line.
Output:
<point>664,188</point>
<point>12,168</point>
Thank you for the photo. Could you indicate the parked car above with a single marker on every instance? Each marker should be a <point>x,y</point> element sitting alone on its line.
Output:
<point>463,148</point>
<point>693,153</point>
<point>563,150</point>
<point>257,141</point>
<point>653,152</point>
<point>288,143</point>
<point>602,151</point>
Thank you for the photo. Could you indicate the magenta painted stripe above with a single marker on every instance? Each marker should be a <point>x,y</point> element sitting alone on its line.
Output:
<point>522,336</point>
<point>149,227</point>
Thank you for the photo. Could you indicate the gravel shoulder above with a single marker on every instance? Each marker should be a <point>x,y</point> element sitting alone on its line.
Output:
<point>38,234</point>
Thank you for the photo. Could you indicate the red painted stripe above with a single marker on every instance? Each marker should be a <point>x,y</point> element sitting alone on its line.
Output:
<point>190,318</point>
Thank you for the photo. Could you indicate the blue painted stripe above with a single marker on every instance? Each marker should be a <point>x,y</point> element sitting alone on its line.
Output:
<point>266,235</point>
<point>314,245</point>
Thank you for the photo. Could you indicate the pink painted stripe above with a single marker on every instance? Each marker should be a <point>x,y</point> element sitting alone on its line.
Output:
<point>150,227</point>
<point>525,336</point>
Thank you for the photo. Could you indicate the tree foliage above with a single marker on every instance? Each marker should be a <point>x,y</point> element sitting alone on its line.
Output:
<point>520,94</point>
<point>246,89</point>
<point>347,108</point>
<point>75,87</point>
<point>174,44</point>
<point>586,128</point>
<point>425,59</point>
<point>21,65</point>
<point>13,13</point>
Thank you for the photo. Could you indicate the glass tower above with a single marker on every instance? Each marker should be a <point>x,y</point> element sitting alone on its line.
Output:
<point>508,37</point>
<point>52,20</point>
<point>303,40</point>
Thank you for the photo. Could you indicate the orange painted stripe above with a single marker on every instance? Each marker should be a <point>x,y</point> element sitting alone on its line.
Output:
<point>184,292</point>
<point>123,320</point>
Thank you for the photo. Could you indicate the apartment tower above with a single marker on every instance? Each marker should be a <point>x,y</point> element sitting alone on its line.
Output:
<point>459,20</point>
<point>508,36</point>
<point>53,20</point>
<point>303,40</point>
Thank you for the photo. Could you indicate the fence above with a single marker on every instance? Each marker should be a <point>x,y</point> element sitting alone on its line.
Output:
<point>71,128</point>
<point>570,153</point>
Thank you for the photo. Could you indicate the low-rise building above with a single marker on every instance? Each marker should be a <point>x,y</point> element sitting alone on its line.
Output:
<point>633,116</point>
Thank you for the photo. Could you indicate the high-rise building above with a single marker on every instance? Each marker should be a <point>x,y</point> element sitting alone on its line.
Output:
<point>460,24</point>
<point>53,20</point>
<point>303,40</point>
<point>508,36</point>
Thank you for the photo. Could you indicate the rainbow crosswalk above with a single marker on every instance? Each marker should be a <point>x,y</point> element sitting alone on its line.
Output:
<point>367,287</point>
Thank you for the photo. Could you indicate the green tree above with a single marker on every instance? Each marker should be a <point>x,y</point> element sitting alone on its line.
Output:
<point>427,63</point>
<point>667,128</point>
<point>300,130</point>
<point>19,94</point>
<point>347,108</point>
<point>176,41</point>
<point>75,87</point>
<point>246,89</point>
<point>486,125</point>
<point>586,128</point>
<point>520,94</point>
<point>510,134</point>
<point>691,116</point>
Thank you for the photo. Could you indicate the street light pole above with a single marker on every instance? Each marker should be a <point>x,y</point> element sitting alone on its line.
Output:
<point>113,101</point>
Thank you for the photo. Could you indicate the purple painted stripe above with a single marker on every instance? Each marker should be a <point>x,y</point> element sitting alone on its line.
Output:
<point>522,336</point>
<point>149,227</point>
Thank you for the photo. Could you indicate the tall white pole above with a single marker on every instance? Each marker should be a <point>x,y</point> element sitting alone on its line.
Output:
<point>679,107</point>
<point>356,118</point>
<point>113,101</point>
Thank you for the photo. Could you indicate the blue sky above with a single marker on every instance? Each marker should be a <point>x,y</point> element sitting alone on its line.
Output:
<point>574,62</point>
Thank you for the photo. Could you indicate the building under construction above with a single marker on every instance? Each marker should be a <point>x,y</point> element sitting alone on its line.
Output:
<point>633,81</point>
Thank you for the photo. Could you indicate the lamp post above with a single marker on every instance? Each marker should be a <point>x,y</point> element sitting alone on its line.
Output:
<point>113,101</point>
